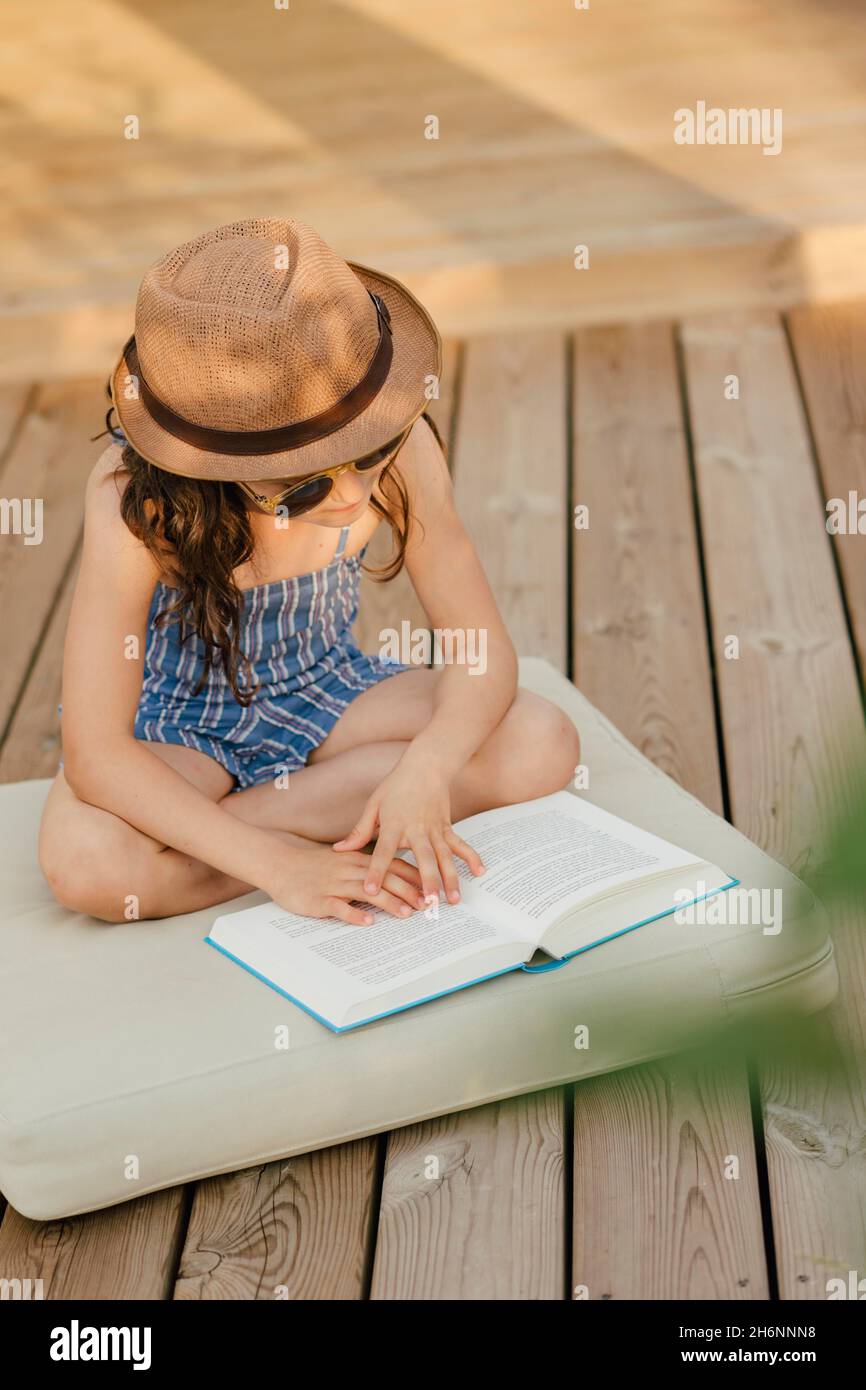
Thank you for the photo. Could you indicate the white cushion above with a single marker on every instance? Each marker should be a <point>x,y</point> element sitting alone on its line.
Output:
<point>137,1039</point>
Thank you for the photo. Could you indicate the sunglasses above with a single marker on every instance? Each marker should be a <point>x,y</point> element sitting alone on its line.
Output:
<point>307,493</point>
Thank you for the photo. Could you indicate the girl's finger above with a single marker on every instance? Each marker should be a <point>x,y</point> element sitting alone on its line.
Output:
<point>465,851</point>
<point>389,901</point>
<point>426,860</point>
<point>445,860</point>
<point>335,907</point>
<point>403,888</point>
<point>361,832</point>
<point>380,862</point>
<point>355,862</point>
<point>407,871</point>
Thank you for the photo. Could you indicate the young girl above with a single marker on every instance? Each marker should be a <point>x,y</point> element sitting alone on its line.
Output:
<point>221,731</point>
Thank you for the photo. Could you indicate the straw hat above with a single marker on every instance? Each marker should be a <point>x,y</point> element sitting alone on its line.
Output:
<point>260,353</point>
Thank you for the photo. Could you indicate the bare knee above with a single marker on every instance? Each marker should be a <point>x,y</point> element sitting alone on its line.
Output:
<point>97,872</point>
<point>540,749</point>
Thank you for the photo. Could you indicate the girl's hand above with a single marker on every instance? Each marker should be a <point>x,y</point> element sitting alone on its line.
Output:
<point>412,810</point>
<point>316,883</point>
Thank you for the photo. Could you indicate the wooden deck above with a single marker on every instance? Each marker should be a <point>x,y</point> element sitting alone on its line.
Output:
<point>706,520</point>
<point>555,130</point>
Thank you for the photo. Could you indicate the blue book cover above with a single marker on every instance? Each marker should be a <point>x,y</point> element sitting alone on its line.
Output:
<point>562,876</point>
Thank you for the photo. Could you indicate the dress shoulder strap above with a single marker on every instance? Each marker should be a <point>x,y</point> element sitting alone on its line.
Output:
<point>341,544</point>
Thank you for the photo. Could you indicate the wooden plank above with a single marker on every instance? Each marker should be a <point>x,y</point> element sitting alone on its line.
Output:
<point>294,1230</point>
<point>554,131</point>
<point>472,1205</point>
<point>50,459</point>
<point>640,644</point>
<point>511,480</point>
<point>794,736</point>
<point>32,744</point>
<point>394,601</point>
<point>500,290</point>
<point>13,405</point>
<point>124,1252</point>
<point>654,1216</point>
<point>830,350</point>
<point>14,401</point>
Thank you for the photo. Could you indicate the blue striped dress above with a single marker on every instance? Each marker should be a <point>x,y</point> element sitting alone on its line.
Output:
<point>297,635</point>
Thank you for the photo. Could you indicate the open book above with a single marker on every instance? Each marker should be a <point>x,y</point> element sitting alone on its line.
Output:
<point>561,877</point>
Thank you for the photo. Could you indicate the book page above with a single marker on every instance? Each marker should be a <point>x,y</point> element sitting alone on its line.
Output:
<point>556,853</point>
<point>331,966</point>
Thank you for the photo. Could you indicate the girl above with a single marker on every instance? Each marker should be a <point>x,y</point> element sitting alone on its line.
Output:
<point>221,731</point>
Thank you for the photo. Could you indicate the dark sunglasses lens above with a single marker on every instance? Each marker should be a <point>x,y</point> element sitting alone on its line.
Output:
<point>309,495</point>
<point>379,455</point>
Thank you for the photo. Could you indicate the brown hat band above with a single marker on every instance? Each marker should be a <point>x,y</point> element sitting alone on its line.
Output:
<point>273,441</point>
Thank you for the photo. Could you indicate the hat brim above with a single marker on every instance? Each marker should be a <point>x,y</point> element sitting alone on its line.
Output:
<point>417,358</point>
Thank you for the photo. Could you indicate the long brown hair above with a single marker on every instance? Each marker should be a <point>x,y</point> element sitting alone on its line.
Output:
<point>199,533</point>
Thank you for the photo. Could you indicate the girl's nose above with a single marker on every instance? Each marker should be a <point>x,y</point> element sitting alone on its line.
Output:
<point>349,489</point>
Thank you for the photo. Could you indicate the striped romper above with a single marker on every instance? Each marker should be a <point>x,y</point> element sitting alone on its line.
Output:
<point>297,635</point>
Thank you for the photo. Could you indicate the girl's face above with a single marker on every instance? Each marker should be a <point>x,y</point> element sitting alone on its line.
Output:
<point>351,487</point>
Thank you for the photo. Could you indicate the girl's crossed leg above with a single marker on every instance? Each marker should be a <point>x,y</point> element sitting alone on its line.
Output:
<point>93,860</point>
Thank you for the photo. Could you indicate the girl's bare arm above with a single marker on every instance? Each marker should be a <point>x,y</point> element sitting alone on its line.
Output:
<point>412,806</point>
<point>474,693</point>
<point>104,763</point>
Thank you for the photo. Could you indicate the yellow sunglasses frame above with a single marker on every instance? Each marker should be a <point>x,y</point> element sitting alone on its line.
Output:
<point>270,504</point>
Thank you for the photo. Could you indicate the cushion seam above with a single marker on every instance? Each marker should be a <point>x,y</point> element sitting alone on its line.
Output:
<point>826,955</point>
